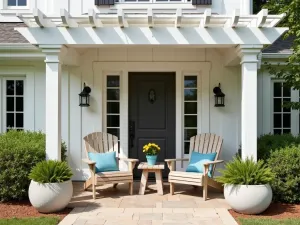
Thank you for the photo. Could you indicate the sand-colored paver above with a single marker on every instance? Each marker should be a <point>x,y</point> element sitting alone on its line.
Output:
<point>114,206</point>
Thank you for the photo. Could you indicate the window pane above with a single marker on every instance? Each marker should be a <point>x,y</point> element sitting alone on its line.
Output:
<point>113,121</point>
<point>113,107</point>
<point>19,120</point>
<point>190,108</point>
<point>286,120</point>
<point>114,131</point>
<point>186,147</point>
<point>277,90</point>
<point>277,121</point>
<point>286,91</point>
<point>277,105</point>
<point>10,120</point>
<point>10,84</point>
<point>286,109</point>
<point>190,94</point>
<point>11,2</point>
<point>113,94</point>
<point>277,131</point>
<point>113,81</point>
<point>190,81</point>
<point>188,133</point>
<point>19,104</point>
<point>190,121</point>
<point>10,104</point>
<point>286,131</point>
<point>19,87</point>
<point>22,2</point>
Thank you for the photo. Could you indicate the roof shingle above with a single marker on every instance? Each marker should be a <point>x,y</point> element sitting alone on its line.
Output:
<point>281,45</point>
<point>9,35</point>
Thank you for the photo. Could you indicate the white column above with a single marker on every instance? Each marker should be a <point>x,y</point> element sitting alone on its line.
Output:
<point>53,101</point>
<point>249,65</point>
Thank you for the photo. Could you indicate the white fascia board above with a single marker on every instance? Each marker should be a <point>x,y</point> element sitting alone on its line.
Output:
<point>21,52</point>
<point>18,46</point>
<point>151,36</point>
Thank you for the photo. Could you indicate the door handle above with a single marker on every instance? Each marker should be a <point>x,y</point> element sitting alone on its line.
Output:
<point>131,133</point>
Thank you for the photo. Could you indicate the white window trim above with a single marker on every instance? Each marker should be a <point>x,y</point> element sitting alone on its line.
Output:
<point>5,6</point>
<point>3,99</point>
<point>294,113</point>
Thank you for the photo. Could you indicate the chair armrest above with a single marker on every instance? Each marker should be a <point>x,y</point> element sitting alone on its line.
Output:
<point>89,162</point>
<point>175,160</point>
<point>129,160</point>
<point>213,162</point>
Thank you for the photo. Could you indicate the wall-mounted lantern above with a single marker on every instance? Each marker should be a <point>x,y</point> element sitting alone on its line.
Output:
<point>84,96</point>
<point>219,96</point>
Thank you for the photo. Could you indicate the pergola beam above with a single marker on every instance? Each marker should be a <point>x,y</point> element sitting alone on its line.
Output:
<point>121,18</point>
<point>206,19</point>
<point>178,17</point>
<point>40,20</point>
<point>262,17</point>
<point>233,21</point>
<point>150,17</point>
<point>66,20</point>
<point>93,19</point>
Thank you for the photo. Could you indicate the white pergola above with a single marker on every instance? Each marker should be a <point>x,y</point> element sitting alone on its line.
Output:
<point>245,35</point>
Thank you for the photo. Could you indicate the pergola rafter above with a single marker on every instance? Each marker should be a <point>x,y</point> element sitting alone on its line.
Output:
<point>151,18</point>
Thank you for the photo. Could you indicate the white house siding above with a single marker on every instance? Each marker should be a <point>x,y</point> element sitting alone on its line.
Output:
<point>78,122</point>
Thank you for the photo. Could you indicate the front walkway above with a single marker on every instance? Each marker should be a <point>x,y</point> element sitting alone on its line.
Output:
<point>116,207</point>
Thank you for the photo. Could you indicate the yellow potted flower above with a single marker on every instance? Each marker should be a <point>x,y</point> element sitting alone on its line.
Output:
<point>151,150</point>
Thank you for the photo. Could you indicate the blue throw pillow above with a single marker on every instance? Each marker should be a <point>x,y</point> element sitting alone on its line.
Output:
<point>197,161</point>
<point>105,162</point>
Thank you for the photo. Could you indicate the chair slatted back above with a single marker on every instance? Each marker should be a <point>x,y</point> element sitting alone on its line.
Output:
<point>206,143</point>
<point>100,142</point>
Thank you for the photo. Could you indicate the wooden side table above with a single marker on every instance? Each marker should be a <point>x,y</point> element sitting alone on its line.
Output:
<point>157,169</point>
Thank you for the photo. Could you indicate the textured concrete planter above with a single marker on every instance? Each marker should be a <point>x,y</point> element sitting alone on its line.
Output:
<point>50,197</point>
<point>248,199</point>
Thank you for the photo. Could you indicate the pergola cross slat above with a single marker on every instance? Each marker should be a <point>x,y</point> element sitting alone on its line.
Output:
<point>151,18</point>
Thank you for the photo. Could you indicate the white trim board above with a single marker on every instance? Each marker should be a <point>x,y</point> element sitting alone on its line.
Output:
<point>202,69</point>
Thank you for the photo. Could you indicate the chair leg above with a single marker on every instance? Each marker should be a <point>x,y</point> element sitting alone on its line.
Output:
<point>115,185</point>
<point>131,188</point>
<point>205,192</point>
<point>172,188</point>
<point>87,184</point>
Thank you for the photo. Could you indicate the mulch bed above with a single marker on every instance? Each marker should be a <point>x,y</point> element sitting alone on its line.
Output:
<point>275,211</point>
<point>22,209</point>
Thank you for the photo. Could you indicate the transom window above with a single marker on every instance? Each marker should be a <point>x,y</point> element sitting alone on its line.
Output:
<point>14,104</point>
<point>190,110</point>
<point>16,3</point>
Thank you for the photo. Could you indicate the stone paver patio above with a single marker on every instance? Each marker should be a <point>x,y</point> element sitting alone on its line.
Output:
<point>117,207</point>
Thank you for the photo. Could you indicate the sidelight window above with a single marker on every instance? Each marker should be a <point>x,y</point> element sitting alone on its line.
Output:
<point>113,105</point>
<point>190,110</point>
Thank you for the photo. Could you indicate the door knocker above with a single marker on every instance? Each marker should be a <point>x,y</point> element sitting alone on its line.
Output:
<point>152,96</point>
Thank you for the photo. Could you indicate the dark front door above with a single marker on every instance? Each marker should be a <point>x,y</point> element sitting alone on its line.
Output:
<point>151,115</point>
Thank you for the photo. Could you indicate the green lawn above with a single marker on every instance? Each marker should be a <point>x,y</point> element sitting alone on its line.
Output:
<point>269,221</point>
<point>30,221</point>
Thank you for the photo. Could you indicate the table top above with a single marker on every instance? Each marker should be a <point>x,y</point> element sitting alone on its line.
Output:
<point>157,166</point>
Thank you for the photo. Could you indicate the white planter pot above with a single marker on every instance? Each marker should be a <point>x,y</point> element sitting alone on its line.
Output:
<point>50,197</point>
<point>248,199</point>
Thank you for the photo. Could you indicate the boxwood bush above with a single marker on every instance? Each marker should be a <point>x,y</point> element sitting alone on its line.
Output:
<point>269,142</point>
<point>285,164</point>
<point>19,152</point>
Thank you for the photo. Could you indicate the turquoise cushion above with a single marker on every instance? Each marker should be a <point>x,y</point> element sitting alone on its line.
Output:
<point>104,161</point>
<point>197,161</point>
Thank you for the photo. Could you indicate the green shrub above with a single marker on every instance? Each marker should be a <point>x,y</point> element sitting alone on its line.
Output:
<point>19,152</point>
<point>50,172</point>
<point>245,172</point>
<point>285,164</point>
<point>269,142</point>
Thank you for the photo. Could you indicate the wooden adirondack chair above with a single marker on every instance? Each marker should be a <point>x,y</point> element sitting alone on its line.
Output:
<point>202,143</point>
<point>101,143</point>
